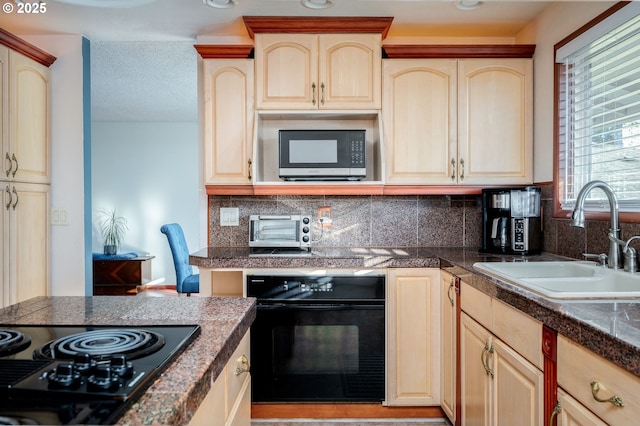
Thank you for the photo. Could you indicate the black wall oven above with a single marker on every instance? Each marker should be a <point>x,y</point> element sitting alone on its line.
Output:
<point>318,337</point>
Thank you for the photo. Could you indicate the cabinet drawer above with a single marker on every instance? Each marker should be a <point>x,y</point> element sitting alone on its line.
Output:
<point>574,413</point>
<point>476,304</point>
<point>235,381</point>
<point>579,367</point>
<point>518,330</point>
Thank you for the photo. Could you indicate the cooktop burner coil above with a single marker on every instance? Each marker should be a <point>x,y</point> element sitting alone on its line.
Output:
<point>102,344</point>
<point>12,341</point>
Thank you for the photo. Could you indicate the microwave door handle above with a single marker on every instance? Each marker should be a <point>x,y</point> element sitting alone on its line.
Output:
<point>274,217</point>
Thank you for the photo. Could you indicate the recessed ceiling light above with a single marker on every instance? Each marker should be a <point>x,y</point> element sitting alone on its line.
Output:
<point>468,4</point>
<point>220,4</point>
<point>316,4</point>
<point>115,4</point>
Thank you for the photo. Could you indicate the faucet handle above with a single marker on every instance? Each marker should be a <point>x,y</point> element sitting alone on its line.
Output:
<point>631,260</point>
<point>602,258</point>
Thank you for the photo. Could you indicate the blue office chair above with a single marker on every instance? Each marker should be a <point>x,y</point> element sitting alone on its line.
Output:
<point>187,281</point>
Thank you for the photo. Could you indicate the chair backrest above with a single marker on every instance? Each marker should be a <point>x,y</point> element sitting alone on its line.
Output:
<point>179,251</point>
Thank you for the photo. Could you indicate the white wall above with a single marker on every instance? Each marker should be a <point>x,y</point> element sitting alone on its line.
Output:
<point>149,172</point>
<point>67,180</point>
<point>555,23</point>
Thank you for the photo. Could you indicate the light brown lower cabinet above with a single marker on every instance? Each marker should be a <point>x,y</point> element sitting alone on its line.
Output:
<point>449,347</point>
<point>593,390</point>
<point>499,386</point>
<point>413,337</point>
<point>501,381</point>
<point>228,403</point>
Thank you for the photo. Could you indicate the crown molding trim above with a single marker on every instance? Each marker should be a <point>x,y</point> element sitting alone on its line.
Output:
<point>407,51</point>
<point>214,51</point>
<point>317,25</point>
<point>27,49</point>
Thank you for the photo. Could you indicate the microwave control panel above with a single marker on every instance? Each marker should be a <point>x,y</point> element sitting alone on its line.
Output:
<point>358,146</point>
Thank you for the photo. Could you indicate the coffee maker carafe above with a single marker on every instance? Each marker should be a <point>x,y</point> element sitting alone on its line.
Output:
<point>511,220</point>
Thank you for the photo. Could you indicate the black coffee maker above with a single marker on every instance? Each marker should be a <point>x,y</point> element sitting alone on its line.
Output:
<point>511,220</point>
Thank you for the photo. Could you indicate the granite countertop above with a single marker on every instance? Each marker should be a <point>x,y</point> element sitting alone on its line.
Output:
<point>609,328</point>
<point>179,391</point>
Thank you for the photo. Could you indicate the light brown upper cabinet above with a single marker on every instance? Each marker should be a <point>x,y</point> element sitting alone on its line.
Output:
<point>228,121</point>
<point>318,71</point>
<point>25,152</point>
<point>458,121</point>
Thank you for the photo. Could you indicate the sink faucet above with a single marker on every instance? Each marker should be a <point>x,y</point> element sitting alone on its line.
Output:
<point>577,218</point>
<point>630,255</point>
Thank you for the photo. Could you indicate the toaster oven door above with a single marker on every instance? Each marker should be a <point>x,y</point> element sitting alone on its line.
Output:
<point>274,231</point>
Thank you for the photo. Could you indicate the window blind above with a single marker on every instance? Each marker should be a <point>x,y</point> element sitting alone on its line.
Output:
<point>600,118</point>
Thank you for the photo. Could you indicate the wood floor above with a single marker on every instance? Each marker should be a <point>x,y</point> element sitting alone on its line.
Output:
<point>157,291</point>
<point>344,415</point>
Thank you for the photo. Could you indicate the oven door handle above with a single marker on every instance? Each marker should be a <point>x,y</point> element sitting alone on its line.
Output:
<point>319,307</point>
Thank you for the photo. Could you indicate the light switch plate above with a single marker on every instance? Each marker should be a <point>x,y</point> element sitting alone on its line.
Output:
<point>229,216</point>
<point>59,216</point>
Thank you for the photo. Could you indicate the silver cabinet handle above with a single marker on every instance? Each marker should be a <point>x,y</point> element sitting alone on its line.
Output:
<point>453,170</point>
<point>615,399</point>
<point>451,286</point>
<point>484,357</point>
<point>322,96</point>
<point>15,203</point>
<point>461,169</point>
<point>556,410</point>
<point>9,163</point>
<point>10,198</point>
<point>313,93</point>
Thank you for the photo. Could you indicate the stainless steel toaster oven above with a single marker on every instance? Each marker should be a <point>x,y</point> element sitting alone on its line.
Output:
<point>280,231</point>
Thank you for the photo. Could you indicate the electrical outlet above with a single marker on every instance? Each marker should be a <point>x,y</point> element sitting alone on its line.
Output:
<point>324,216</point>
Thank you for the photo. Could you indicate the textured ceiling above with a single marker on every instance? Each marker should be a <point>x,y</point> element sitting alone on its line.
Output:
<point>143,81</point>
<point>143,63</point>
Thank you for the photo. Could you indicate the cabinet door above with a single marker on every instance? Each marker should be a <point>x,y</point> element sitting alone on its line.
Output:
<point>228,121</point>
<point>238,380</point>
<point>349,71</point>
<point>5,246</point>
<point>449,346</point>
<point>413,316</point>
<point>286,71</point>
<point>228,402</point>
<point>28,119</point>
<point>5,164</point>
<point>475,343</point>
<point>28,241</point>
<point>572,413</point>
<point>518,388</point>
<point>211,411</point>
<point>495,113</point>
<point>419,114</point>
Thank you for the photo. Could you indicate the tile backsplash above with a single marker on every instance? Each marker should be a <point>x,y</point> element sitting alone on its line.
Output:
<point>404,221</point>
<point>363,221</point>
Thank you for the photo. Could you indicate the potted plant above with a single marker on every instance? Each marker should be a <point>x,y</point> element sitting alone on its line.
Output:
<point>113,228</point>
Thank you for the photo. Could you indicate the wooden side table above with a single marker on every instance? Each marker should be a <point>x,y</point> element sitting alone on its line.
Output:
<point>120,276</point>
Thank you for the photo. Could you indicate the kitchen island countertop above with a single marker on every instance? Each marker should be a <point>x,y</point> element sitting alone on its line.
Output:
<point>609,328</point>
<point>178,392</point>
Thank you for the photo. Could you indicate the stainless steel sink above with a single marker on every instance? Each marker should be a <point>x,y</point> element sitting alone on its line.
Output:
<point>566,279</point>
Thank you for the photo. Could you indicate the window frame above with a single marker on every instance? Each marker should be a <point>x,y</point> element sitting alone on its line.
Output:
<point>559,76</point>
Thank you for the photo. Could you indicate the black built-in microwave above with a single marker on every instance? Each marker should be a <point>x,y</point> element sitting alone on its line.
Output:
<point>322,154</point>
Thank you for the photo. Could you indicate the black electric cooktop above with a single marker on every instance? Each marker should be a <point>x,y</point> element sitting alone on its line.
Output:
<point>81,374</point>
